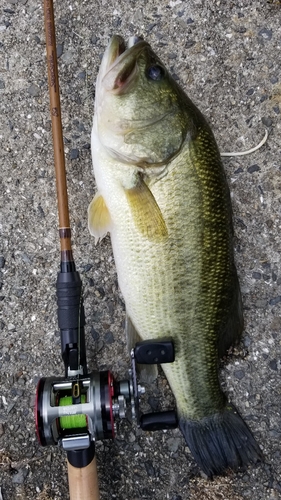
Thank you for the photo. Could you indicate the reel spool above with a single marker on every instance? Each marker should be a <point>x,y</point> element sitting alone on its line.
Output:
<point>75,411</point>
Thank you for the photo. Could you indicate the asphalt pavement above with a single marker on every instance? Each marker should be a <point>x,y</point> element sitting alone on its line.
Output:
<point>226,55</point>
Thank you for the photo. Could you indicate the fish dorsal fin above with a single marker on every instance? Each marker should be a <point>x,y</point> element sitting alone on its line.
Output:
<point>99,220</point>
<point>146,212</point>
<point>146,373</point>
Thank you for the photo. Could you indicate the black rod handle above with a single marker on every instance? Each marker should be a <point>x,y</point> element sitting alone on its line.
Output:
<point>71,320</point>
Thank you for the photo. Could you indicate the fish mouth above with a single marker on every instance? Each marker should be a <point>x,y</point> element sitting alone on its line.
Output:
<point>120,63</point>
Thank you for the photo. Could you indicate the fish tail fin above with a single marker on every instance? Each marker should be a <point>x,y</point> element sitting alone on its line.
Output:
<point>221,442</point>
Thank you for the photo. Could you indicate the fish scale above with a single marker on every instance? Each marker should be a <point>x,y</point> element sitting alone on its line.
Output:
<point>163,196</point>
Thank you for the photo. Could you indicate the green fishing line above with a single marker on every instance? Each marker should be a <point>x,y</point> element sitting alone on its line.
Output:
<point>72,421</point>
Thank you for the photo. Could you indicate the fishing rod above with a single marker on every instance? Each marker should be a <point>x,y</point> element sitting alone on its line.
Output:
<point>76,410</point>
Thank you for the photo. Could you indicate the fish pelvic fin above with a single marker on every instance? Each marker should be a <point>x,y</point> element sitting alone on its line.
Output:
<point>146,212</point>
<point>99,220</point>
<point>221,442</point>
<point>146,373</point>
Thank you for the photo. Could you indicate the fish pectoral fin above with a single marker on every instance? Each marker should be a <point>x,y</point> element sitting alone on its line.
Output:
<point>99,220</point>
<point>146,373</point>
<point>146,213</point>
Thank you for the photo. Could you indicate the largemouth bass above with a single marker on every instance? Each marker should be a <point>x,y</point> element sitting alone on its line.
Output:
<point>163,196</point>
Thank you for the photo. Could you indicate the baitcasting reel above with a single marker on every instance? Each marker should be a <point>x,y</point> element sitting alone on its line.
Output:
<point>80,409</point>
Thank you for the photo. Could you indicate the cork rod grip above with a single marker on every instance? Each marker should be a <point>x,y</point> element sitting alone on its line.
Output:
<point>83,482</point>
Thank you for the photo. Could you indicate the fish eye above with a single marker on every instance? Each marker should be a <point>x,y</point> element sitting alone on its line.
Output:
<point>155,72</point>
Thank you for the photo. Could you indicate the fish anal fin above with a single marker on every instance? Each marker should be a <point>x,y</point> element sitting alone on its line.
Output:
<point>146,373</point>
<point>132,335</point>
<point>146,212</point>
<point>99,220</point>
